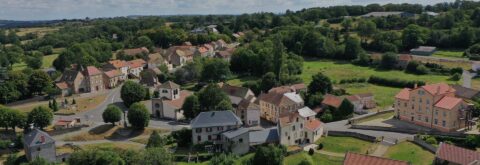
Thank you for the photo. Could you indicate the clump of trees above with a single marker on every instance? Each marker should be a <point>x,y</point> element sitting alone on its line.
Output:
<point>138,116</point>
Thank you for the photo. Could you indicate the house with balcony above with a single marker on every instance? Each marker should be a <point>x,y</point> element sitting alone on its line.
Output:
<point>434,106</point>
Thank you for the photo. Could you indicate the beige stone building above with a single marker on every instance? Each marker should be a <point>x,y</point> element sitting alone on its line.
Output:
<point>273,104</point>
<point>94,79</point>
<point>300,127</point>
<point>433,106</point>
<point>170,101</point>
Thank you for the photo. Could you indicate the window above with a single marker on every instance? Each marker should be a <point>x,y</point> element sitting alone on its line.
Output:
<point>420,100</point>
<point>288,137</point>
<point>39,149</point>
<point>209,137</point>
<point>293,128</point>
<point>175,92</point>
<point>435,121</point>
<point>219,128</point>
<point>157,105</point>
<point>297,119</point>
<point>405,104</point>
<point>444,114</point>
<point>209,129</point>
<point>426,119</point>
<point>198,130</point>
<point>428,102</point>
<point>444,123</point>
<point>199,138</point>
<point>218,137</point>
<point>164,91</point>
<point>301,126</point>
<point>240,140</point>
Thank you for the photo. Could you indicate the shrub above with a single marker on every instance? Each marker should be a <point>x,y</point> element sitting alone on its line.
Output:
<point>431,140</point>
<point>394,82</point>
<point>320,146</point>
<point>311,151</point>
<point>456,77</point>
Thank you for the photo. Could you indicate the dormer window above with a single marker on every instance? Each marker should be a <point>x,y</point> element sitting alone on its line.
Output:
<point>164,91</point>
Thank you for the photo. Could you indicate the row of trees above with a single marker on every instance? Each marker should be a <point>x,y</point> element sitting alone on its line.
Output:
<point>24,84</point>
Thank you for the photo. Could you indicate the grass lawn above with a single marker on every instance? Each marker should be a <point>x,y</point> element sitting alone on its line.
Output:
<point>108,131</point>
<point>41,31</point>
<point>339,144</point>
<point>82,104</point>
<point>410,152</point>
<point>47,62</point>
<point>240,81</point>
<point>375,117</point>
<point>384,96</point>
<point>115,146</point>
<point>315,159</point>
<point>449,53</point>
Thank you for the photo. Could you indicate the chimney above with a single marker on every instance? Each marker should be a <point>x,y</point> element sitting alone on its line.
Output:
<point>415,86</point>
<point>438,89</point>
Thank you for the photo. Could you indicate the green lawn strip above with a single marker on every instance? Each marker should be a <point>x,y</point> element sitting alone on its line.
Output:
<point>339,144</point>
<point>338,70</point>
<point>375,117</point>
<point>384,96</point>
<point>47,62</point>
<point>239,81</point>
<point>315,159</point>
<point>408,151</point>
<point>449,53</point>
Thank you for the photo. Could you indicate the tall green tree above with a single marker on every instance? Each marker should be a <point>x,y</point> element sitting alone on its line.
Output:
<point>155,140</point>
<point>138,116</point>
<point>223,159</point>
<point>366,29</point>
<point>414,36</point>
<point>191,107</point>
<point>112,114</point>
<point>132,92</point>
<point>320,84</point>
<point>40,117</point>
<point>215,70</point>
<point>352,48</point>
<point>278,56</point>
<point>345,110</point>
<point>35,61</point>
<point>210,97</point>
<point>268,82</point>
<point>269,155</point>
<point>39,81</point>
<point>389,60</point>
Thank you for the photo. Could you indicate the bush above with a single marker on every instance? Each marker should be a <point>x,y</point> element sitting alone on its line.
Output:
<point>431,140</point>
<point>456,77</point>
<point>320,146</point>
<point>311,151</point>
<point>394,82</point>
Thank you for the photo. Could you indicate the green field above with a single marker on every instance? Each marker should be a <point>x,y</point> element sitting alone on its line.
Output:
<point>449,53</point>
<point>410,152</point>
<point>339,144</point>
<point>47,62</point>
<point>384,96</point>
<point>315,159</point>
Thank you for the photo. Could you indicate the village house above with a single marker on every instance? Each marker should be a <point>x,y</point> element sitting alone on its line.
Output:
<point>272,104</point>
<point>331,101</point>
<point>112,78</point>
<point>94,79</point>
<point>180,55</point>
<point>136,51</point>
<point>223,129</point>
<point>466,93</point>
<point>149,78</point>
<point>236,94</point>
<point>249,112</point>
<point>225,54</point>
<point>72,81</point>
<point>362,102</point>
<point>155,60</point>
<point>170,101</point>
<point>361,159</point>
<point>403,60</point>
<point>389,13</point>
<point>433,106</point>
<point>450,154</point>
<point>300,127</point>
<point>39,144</point>
<point>119,65</point>
<point>136,67</point>
<point>423,50</point>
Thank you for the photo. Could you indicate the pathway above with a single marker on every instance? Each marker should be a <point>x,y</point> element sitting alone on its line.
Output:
<point>330,153</point>
<point>380,150</point>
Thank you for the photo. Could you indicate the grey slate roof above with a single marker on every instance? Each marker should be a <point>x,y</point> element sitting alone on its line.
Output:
<point>235,132</point>
<point>169,85</point>
<point>215,118</point>
<point>265,136</point>
<point>37,137</point>
<point>466,93</point>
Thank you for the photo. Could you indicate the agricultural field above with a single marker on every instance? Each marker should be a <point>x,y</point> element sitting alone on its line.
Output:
<point>449,53</point>
<point>47,62</point>
<point>408,151</point>
<point>41,31</point>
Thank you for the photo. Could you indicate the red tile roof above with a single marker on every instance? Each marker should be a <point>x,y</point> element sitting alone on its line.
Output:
<point>118,63</point>
<point>313,124</point>
<point>404,57</point>
<point>456,154</point>
<point>332,100</point>
<point>136,63</point>
<point>113,73</point>
<point>178,103</point>
<point>62,85</point>
<point>360,159</point>
<point>91,70</point>
<point>438,89</point>
<point>132,52</point>
<point>404,94</point>
<point>448,102</point>
<point>352,98</point>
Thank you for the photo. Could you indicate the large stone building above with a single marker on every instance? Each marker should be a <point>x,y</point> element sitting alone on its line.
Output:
<point>39,144</point>
<point>170,101</point>
<point>94,79</point>
<point>275,103</point>
<point>433,106</point>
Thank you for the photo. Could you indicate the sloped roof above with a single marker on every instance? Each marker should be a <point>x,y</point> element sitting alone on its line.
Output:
<point>353,98</point>
<point>169,85</point>
<point>313,124</point>
<point>360,159</point>
<point>278,98</point>
<point>404,94</point>
<point>215,118</point>
<point>306,112</point>
<point>92,70</point>
<point>405,57</point>
<point>264,136</point>
<point>456,154</point>
<point>113,73</point>
<point>466,93</point>
<point>36,137</point>
<point>135,51</point>
<point>287,118</point>
<point>155,58</point>
<point>136,63</point>
<point>438,89</point>
<point>62,85</point>
<point>69,75</point>
<point>118,63</point>
<point>248,104</point>
<point>235,90</point>
<point>448,102</point>
<point>178,103</point>
<point>294,97</point>
<point>235,132</point>
<point>332,100</point>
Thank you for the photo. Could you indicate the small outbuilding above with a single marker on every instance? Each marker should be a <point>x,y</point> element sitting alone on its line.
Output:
<point>423,50</point>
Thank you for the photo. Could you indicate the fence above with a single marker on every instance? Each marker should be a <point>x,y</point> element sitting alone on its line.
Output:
<point>352,134</point>
<point>417,140</point>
